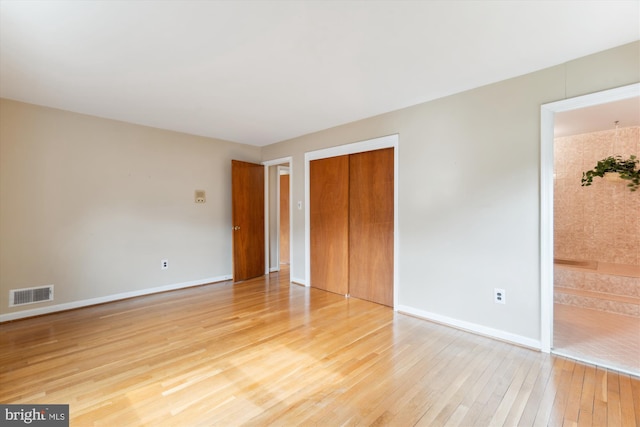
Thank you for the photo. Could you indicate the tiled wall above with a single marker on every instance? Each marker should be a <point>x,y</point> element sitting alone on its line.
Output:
<point>600,222</point>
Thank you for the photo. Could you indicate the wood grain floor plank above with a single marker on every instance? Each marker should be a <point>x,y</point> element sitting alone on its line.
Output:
<point>440,411</point>
<point>600,399</point>
<point>572,411</point>
<point>496,387</point>
<point>515,386</point>
<point>266,352</point>
<point>543,401</point>
<point>628,418</point>
<point>517,409</point>
<point>635,389</point>
<point>562,394</point>
<point>614,415</point>
<point>585,414</point>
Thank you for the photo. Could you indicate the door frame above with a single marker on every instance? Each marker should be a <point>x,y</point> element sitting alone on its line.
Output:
<point>389,141</point>
<point>280,163</point>
<point>547,122</point>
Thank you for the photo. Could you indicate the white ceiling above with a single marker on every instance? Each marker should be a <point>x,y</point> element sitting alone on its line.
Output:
<point>259,72</point>
<point>598,118</point>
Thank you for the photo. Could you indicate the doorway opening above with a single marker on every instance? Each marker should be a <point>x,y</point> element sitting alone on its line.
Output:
<point>278,213</point>
<point>283,201</point>
<point>590,253</point>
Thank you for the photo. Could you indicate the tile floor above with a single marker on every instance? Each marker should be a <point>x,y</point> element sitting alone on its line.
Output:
<point>598,337</point>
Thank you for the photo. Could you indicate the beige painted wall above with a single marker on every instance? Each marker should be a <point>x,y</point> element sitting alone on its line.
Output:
<point>600,222</point>
<point>93,205</point>
<point>469,197</point>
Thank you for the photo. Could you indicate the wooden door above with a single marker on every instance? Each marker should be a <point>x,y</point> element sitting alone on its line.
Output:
<point>284,219</point>
<point>371,226</point>
<point>329,223</point>
<point>247,201</point>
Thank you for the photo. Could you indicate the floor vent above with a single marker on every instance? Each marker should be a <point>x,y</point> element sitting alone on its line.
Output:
<point>30,295</point>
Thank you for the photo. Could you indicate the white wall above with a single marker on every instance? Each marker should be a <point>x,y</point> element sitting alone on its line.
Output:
<point>93,205</point>
<point>469,206</point>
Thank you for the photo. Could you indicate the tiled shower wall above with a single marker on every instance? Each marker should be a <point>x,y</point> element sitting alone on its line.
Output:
<point>600,222</point>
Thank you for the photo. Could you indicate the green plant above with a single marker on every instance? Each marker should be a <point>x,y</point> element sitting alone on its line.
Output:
<point>626,168</point>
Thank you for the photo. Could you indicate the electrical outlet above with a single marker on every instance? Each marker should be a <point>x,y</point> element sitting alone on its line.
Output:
<point>164,264</point>
<point>200,196</point>
<point>499,296</point>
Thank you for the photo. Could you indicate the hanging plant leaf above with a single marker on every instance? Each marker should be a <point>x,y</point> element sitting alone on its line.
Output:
<point>626,168</point>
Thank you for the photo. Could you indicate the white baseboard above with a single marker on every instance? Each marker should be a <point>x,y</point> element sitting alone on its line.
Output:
<point>299,281</point>
<point>109,298</point>
<point>472,327</point>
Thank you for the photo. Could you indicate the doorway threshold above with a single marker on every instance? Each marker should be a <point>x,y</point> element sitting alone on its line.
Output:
<point>597,363</point>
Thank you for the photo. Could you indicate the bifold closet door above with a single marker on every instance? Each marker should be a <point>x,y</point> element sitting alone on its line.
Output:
<point>371,226</point>
<point>329,223</point>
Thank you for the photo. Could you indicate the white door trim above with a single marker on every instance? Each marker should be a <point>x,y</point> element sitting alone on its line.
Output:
<point>390,141</point>
<point>547,115</point>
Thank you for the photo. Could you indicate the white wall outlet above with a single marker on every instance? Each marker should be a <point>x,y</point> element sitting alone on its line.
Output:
<point>164,264</point>
<point>200,196</point>
<point>499,296</point>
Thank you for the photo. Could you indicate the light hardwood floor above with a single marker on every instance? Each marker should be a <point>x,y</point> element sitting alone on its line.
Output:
<point>264,352</point>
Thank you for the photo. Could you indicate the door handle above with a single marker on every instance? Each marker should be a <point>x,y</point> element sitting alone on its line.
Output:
<point>235,228</point>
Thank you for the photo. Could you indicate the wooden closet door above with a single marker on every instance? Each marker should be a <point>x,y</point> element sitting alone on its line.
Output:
<point>371,226</point>
<point>329,223</point>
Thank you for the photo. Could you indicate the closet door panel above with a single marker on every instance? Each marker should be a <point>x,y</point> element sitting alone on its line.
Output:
<point>329,223</point>
<point>371,226</point>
